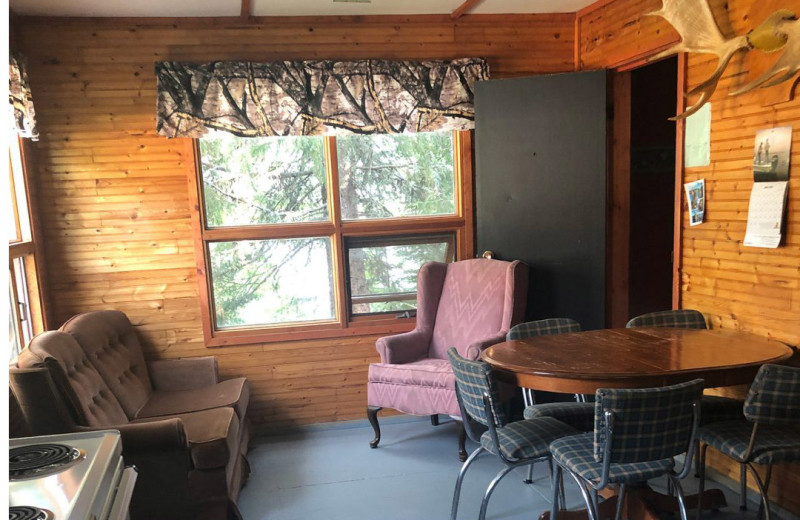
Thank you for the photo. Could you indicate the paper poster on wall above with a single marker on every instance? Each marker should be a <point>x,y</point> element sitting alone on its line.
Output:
<point>771,158</point>
<point>697,138</point>
<point>696,197</point>
<point>772,154</point>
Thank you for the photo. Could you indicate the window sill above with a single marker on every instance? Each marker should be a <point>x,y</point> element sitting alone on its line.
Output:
<point>388,326</point>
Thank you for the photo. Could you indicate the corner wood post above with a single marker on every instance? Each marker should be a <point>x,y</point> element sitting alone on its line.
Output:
<point>372,415</point>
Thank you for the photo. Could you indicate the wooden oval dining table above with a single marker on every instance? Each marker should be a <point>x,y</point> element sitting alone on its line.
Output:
<point>582,362</point>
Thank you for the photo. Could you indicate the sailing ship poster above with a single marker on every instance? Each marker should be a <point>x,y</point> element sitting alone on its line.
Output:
<point>772,154</point>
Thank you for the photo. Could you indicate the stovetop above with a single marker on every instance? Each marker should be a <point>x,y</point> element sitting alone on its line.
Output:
<point>78,472</point>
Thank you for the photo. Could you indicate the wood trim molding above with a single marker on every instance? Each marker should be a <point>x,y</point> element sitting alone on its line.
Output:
<point>462,9</point>
<point>680,129</point>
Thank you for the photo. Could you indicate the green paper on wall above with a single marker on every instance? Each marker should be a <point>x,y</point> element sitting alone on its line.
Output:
<point>697,140</point>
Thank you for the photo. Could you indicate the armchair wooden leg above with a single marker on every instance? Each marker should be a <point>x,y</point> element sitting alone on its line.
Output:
<point>435,419</point>
<point>372,415</point>
<point>462,443</point>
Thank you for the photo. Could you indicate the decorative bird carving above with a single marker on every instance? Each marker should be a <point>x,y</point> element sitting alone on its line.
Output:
<point>700,33</point>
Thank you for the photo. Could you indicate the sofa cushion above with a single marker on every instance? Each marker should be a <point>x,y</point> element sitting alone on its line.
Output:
<point>234,393</point>
<point>213,436</point>
<point>92,402</point>
<point>111,343</point>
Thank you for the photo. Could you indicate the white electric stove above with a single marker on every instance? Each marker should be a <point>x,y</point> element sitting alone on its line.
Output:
<point>74,476</point>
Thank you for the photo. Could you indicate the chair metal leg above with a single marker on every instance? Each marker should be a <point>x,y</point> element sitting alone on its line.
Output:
<point>701,466</point>
<point>586,495</point>
<point>621,502</point>
<point>743,486</point>
<point>762,490</point>
<point>462,443</point>
<point>372,415</point>
<point>766,488</point>
<point>529,480</point>
<point>556,480</point>
<point>460,479</point>
<point>490,490</point>
<point>681,502</point>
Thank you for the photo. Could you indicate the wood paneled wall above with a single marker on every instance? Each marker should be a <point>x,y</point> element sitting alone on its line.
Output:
<point>114,195</point>
<point>736,287</point>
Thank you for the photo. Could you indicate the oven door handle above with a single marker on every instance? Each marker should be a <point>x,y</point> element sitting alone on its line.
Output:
<point>122,499</point>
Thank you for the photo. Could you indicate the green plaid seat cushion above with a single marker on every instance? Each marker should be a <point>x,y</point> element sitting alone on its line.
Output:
<point>527,439</point>
<point>680,319</point>
<point>543,328</point>
<point>578,415</point>
<point>774,442</point>
<point>576,453</point>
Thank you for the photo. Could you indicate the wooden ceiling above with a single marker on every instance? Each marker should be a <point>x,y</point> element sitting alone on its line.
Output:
<point>207,8</point>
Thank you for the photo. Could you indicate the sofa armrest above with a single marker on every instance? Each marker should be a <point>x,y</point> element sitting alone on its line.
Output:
<point>183,374</point>
<point>402,348</point>
<point>162,436</point>
<point>475,348</point>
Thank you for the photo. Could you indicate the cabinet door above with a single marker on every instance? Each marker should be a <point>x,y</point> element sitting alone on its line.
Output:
<point>540,145</point>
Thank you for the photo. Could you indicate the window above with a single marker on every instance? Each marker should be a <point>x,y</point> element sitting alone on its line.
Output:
<point>303,237</point>
<point>24,313</point>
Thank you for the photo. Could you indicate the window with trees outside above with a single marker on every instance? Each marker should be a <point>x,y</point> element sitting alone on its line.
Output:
<point>309,237</point>
<point>24,310</point>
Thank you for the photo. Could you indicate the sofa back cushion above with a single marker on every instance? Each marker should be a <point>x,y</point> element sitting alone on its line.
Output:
<point>473,304</point>
<point>75,377</point>
<point>110,342</point>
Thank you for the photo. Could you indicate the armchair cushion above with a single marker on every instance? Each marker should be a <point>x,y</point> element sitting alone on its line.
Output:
<point>183,374</point>
<point>432,379</point>
<point>233,393</point>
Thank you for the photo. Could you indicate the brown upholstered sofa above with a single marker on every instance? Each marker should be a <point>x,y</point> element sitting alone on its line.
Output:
<point>186,431</point>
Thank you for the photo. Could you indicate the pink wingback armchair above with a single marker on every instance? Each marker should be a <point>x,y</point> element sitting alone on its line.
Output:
<point>469,305</point>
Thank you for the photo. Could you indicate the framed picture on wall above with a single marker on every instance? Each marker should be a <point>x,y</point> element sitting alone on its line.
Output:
<point>696,198</point>
<point>772,154</point>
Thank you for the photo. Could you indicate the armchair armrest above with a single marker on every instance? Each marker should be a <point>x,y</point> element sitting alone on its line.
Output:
<point>402,348</point>
<point>183,374</point>
<point>162,436</point>
<point>474,350</point>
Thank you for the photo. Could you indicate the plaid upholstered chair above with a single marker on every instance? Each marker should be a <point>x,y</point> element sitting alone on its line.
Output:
<point>768,432</point>
<point>515,443</point>
<point>679,319</point>
<point>637,434</point>
<point>540,328</point>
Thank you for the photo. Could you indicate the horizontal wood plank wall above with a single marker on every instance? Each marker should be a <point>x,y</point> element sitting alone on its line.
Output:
<point>736,287</point>
<point>114,194</point>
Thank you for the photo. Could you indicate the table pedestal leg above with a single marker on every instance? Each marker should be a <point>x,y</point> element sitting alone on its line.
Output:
<point>643,503</point>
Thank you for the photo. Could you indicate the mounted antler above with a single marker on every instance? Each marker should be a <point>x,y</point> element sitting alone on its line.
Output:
<point>700,33</point>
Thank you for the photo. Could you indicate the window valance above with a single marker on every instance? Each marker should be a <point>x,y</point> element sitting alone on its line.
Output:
<point>317,97</point>
<point>19,97</point>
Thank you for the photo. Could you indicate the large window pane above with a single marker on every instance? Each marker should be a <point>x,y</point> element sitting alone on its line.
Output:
<point>14,340</point>
<point>383,272</point>
<point>268,282</point>
<point>386,176</point>
<point>272,180</point>
<point>12,224</point>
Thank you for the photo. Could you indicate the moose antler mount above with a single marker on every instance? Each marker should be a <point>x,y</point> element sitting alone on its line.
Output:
<point>700,33</point>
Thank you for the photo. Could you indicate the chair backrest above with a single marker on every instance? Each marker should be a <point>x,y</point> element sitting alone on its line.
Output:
<point>75,377</point>
<point>648,423</point>
<point>774,396</point>
<point>679,319</point>
<point>473,381</point>
<point>480,298</point>
<point>543,328</point>
<point>110,341</point>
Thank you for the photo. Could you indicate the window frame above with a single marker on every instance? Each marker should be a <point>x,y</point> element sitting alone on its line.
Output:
<point>461,224</point>
<point>25,248</point>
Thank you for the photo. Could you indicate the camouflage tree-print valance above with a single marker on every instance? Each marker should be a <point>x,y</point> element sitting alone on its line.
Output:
<point>316,97</point>
<point>19,97</point>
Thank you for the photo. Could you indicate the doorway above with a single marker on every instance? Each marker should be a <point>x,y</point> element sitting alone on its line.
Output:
<point>642,191</point>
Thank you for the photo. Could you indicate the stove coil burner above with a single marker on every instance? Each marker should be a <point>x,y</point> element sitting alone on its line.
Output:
<point>37,460</point>
<point>28,513</point>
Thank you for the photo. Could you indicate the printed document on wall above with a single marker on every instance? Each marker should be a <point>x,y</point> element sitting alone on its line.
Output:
<point>765,214</point>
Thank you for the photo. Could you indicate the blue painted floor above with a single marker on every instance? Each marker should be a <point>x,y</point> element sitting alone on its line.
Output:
<point>332,474</point>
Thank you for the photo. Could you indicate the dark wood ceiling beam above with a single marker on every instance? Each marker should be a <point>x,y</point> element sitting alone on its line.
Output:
<point>464,8</point>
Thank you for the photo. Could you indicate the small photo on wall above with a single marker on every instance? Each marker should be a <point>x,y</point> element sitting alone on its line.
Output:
<point>696,198</point>
<point>772,153</point>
